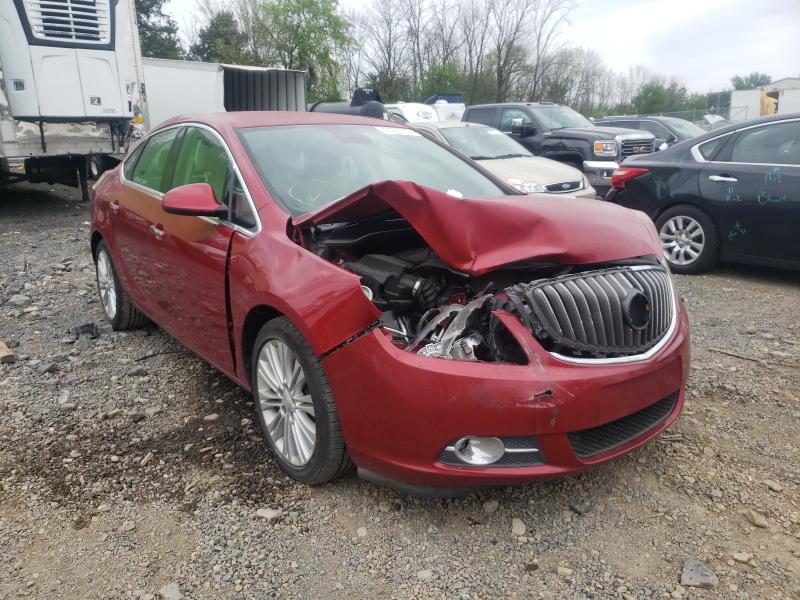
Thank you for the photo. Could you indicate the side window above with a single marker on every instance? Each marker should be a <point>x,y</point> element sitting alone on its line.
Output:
<point>485,116</point>
<point>133,156</point>
<point>709,149</point>
<point>152,167</point>
<point>771,144</point>
<point>657,129</point>
<point>202,159</point>
<point>509,114</point>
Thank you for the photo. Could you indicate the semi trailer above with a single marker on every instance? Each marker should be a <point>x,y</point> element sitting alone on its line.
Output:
<point>70,88</point>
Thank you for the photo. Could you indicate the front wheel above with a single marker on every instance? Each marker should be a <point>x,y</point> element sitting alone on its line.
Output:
<point>689,239</point>
<point>295,405</point>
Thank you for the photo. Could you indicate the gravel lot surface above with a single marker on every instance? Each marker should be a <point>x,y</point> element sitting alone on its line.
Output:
<point>129,468</point>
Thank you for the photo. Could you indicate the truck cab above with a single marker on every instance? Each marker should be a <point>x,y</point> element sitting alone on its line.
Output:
<point>560,133</point>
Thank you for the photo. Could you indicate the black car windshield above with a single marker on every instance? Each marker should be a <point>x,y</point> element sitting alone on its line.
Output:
<point>559,117</point>
<point>482,143</point>
<point>309,166</point>
<point>684,129</point>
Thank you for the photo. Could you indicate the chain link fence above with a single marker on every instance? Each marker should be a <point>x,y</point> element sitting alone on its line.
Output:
<point>729,113</point>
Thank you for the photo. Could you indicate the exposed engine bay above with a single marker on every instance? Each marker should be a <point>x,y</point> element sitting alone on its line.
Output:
<point>427,307</point>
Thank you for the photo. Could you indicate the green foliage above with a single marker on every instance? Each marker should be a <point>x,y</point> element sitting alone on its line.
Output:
<point>748,82</point>
<point>158,33</point>
<point>655,97</point>
<point>221,41</point>
<point>444,78</point>
<point>306,35</point>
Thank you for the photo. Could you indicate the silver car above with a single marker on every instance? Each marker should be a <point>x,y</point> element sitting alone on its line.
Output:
<point>509,160</point>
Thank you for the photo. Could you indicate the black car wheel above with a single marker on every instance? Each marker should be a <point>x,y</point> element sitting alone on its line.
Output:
<point>689,239</point>
<point>295,405</point>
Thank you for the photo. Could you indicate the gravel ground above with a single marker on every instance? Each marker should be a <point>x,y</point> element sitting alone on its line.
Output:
<point>129,468</point>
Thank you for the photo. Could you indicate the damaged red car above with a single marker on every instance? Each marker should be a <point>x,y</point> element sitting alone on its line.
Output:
<point>390,304</point>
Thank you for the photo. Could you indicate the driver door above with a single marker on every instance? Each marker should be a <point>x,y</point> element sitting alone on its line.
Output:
<point>191,253</point>
<point>531,142</point>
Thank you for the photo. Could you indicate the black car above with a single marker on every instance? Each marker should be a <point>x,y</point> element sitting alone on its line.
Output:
<point>560,133</point>
<point>731,194</point>
<point>667,130</point>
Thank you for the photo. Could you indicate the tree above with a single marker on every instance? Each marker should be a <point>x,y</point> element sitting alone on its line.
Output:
<point>158,32</point>
<point>748,82</point>
<point>306,35</point>
<point>221,41</point>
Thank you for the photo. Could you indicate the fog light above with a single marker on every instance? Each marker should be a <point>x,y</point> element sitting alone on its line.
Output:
<point>479,450</point>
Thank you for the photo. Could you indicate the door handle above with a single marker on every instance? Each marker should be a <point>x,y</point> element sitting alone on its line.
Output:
<point>113,207</point>
<point>157,232</point>
<point>722,179</point>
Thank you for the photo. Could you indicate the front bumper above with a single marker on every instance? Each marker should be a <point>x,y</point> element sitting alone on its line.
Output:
<point>398,410</point>
<point>599,172</point>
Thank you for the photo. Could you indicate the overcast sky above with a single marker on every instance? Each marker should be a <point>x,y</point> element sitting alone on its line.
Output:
<point>702,43</point>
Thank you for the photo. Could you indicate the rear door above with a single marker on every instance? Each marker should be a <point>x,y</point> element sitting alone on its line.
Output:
<point>755,185</point>
<point>146,176</point>
<point>484,116</point>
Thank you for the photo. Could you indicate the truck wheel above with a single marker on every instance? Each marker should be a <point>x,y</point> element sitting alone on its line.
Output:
<point>689,239</point>
<point>97,165</point>
<point>116,303</point>
<point>295,405</point>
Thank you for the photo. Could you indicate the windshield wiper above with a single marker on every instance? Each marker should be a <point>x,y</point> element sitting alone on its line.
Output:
<point>499,156</point>
<point>512,155</point>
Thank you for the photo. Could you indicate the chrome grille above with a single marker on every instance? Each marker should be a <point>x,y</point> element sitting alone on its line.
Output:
<point>564,187</point>
<point>632,147</point>
<point>83,21</point>
<point>583,314</point>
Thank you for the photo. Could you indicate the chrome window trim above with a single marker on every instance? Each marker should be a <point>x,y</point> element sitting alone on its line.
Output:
<point>634,357</point>
<point>699,157</point>
<point>250,232</point>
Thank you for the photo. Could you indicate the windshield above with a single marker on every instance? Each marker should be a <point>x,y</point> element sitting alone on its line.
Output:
<point>558,117</point>
<point>684,129</point>
<point>308,166</point>
<point>482,143</point>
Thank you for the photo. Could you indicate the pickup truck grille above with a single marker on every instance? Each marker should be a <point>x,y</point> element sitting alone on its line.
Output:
<point>588,315</point>
<point>633,147</point>
<point>564,187</point>
<point>77,21</point>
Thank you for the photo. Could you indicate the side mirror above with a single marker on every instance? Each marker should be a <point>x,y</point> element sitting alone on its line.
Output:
<point>522,129</point>
<point>193,200</point>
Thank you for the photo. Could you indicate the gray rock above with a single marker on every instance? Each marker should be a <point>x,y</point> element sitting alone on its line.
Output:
<point>490,507</point>
<point>271,515</point>
<point>171,591</point>
<point>18,300</point>
<point>425,575</point>
<point>756,518</point>
<point>518,528</point>
<point>696,574</point>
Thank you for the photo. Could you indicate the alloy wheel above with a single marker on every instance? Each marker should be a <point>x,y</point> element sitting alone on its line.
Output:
<point>105,283</point>
<point>682,239</point>
<point>285,402</point>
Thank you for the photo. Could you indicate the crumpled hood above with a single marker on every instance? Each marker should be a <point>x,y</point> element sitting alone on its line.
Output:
<point>477,235</point>
<point>531,168</point>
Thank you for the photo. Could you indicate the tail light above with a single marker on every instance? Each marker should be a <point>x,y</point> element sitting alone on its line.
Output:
<point>623,175</point>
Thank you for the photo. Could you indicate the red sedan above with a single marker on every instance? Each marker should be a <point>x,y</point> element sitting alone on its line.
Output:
<point>391,304</point>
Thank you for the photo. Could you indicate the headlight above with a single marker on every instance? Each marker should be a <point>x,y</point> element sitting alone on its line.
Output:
<point>605,148</point>
<point>528,187</point>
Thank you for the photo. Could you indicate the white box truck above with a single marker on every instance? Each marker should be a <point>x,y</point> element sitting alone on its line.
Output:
<point>70,87</point>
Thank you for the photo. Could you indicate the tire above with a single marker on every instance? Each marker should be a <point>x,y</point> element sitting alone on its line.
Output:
<point>284,410</point>
<point>116,304</point>
<point>685,231</point>
<point>96,166</point>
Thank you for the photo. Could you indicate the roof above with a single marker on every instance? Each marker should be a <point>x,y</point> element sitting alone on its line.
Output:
<point>274,118</point>
<point>495,104</point>
<point>741,125</point>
